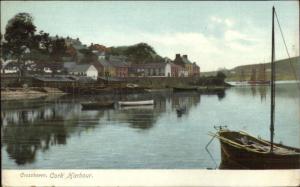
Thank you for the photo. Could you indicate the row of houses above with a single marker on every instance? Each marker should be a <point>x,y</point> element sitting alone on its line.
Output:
<point>114,66</point>
<point>118,66</point>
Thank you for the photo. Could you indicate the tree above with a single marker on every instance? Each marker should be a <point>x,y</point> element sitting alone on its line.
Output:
<point>140,53</point>
<point>89,56</point>
<point>221,75</point>
<point>19,35</point>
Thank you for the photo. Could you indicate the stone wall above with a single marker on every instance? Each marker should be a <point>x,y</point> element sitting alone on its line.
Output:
<point>162,82</point>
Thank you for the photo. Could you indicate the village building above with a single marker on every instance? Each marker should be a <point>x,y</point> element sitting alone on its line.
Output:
<point>176,70</point>
<point>84,70</point>
<point>151,70</point>
<point>189,69</point>
<point>120,65</point>
<point>196,70</point>
<point>108,70</point>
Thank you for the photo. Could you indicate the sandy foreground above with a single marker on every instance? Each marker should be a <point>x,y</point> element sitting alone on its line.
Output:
<point>28,93</point>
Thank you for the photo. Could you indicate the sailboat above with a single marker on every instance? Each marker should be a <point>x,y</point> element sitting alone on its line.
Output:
<point>240,149</point>
<point>261,77</point>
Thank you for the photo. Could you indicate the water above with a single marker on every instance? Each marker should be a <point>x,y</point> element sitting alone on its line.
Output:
<point>52,132</point>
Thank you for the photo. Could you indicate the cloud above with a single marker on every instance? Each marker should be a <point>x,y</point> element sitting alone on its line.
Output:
<point>227,21</point>
<point>209,52</point>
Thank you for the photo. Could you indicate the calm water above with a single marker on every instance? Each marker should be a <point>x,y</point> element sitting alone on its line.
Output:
<point>55,133</point>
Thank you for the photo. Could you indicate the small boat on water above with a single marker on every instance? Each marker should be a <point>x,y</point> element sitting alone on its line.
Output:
<point>181,110</point>
<point>97,105</point>
<point>137,107</point>
<point>249,152</point>
<point>184,89</point>
<point>136,103</point>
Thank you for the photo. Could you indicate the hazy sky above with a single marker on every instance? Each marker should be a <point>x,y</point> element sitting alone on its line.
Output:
<point>214,34</point>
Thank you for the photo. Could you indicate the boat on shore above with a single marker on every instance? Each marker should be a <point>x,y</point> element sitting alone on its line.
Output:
<point>136,103</point>
<point>97,105</point>
<point>248,152</point>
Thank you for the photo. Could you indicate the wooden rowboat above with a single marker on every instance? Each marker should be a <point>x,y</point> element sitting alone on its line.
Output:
<point>97,105</point>
<point>248,152</point>
<point>135,103</point>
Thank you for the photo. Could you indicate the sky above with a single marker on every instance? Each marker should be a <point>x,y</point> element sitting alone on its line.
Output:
<point>221,34</point>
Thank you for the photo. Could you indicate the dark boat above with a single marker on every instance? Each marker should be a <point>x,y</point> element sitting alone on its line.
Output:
<point>244,151</point>
<point>184,89</point>
<point>97,105</point>
<point>248,152</point>
<point>181,110</point>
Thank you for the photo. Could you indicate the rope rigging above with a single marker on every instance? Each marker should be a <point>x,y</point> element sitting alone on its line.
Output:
<point>282,36</point>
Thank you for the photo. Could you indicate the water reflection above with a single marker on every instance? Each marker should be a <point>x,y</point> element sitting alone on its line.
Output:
<point>31,125</point>
<point>261,90</point>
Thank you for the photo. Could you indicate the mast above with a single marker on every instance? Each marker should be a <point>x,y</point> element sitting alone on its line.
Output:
<point>272,81</point>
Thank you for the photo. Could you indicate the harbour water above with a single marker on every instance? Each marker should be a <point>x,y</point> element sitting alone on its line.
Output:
<point>54,133</point>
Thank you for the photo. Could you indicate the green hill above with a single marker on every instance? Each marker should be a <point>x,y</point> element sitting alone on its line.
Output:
<point>138,53</point>
<point>284,70</point>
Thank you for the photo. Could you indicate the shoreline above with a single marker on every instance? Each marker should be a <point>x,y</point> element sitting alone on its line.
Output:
<point>10,94</point>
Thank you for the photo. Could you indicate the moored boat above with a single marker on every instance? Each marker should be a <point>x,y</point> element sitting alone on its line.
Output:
<point>247,152</point>
<point>183,89</point>
<point>97,105</point>
<point>135,103</point>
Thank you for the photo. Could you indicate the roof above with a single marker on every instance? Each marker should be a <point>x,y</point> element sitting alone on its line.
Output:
<point>80,67</point>
<point>186,61</point>
<point>118,61</point>
<point>69,65</point>
<point>104,63</point>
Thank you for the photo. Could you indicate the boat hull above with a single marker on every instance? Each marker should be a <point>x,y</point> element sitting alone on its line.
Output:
<point>235,157</point>
<point>95,106</point>
<point>185,89</point>
<point>242,159</point>
<point>136,103</point>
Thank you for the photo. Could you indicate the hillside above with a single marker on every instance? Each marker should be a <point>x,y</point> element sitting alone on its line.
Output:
<point>284,70</point>
<point>138,53</point>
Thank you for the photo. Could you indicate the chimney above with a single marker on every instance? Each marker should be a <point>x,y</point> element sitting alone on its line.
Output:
<point>185,56</point>
<point>177,56</point>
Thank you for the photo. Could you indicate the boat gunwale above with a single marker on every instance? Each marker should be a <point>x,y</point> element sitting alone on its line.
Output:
<point>245,147</point>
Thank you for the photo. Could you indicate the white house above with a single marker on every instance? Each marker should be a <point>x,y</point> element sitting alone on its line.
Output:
<point>152,69</point>
<point>86,70</point>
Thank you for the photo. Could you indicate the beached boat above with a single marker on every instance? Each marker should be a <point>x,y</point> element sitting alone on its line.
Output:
<point>135,103</point>
<point>97,105</point>
<point>249,152</point>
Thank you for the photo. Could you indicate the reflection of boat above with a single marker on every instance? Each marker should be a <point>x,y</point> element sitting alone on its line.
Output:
<point>138,107</point>
<point>96,105</point>
<point>181,110</point>
<point>252,153</point>
<point>135,103</point>
<point>182,89</point>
